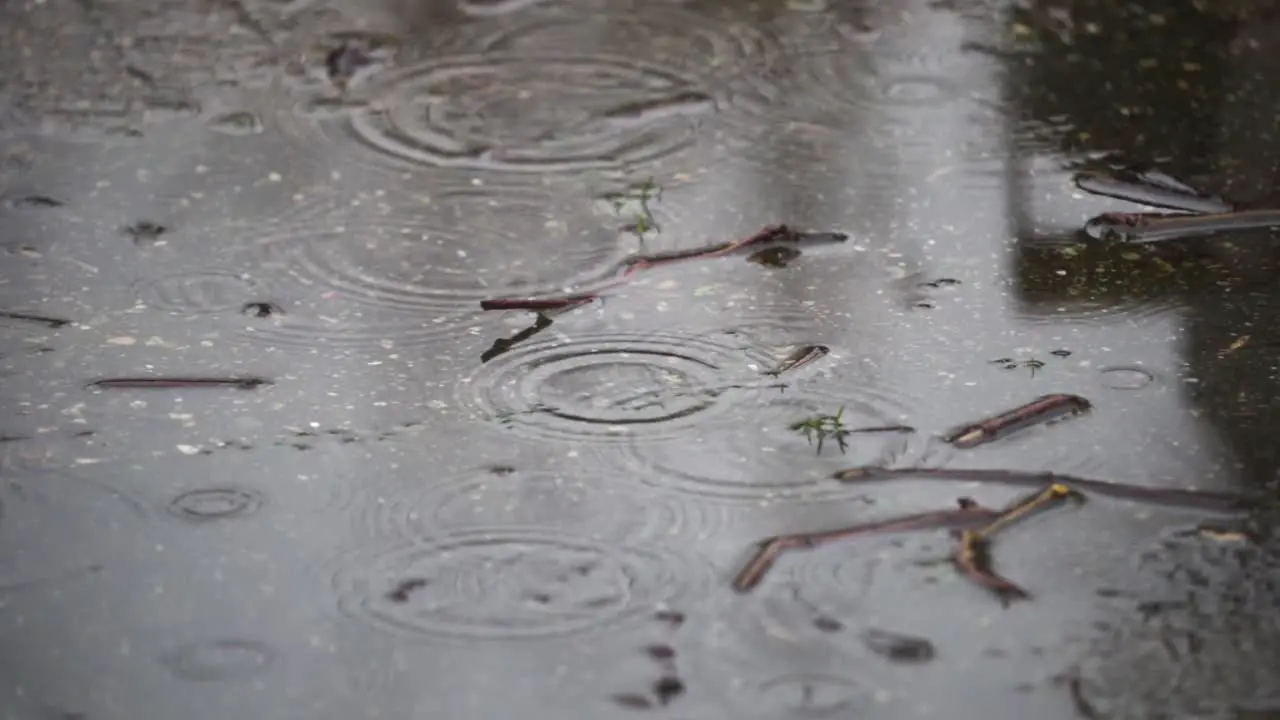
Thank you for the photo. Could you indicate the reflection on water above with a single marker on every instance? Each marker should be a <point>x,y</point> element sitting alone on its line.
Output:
<point>435,510</point>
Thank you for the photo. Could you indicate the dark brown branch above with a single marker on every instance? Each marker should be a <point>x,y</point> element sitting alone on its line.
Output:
<point>627,269</point>
<point>1171,497</point>
<point>163,383</point>
<point>1043,409</point>
<point>968,514</point>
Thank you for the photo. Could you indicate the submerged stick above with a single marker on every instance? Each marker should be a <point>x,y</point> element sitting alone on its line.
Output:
<point>164,383</point>
<point>1041,410</point>
<point>1152,189</point>
<point>1171,497</point>
<point>503,345</point>
<point>799,358</point>
<point>49,322</point>
<point>564,302</point>
<point>627,269</point>
<point>1142,228</point>
<point>968,514</point>
<point>972,555</point>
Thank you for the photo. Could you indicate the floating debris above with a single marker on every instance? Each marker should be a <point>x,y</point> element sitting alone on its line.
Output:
<point>1203,500</point>
<point>145,232</point>
<point>765,239</point>
<point>260,309</point>
<point>968,514</point>
<point>1143,228</point>
<point>49,322</point>
<point>1043,409</point>
<point>798,358</point>
<point>1154,189</point>
<point>166,383</point>
<point>898,647</point>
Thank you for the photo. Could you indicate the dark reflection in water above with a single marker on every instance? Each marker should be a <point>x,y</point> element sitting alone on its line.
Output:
<point>437,511</point>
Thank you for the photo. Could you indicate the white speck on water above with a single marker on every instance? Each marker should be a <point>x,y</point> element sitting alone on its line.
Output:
<point>188,449</point>
<point>122,340</point>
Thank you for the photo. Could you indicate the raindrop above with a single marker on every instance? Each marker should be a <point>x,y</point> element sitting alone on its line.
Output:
<point>916,90</point>
<point>215,504</point>
<point>756,459</point>
<point>220,660</point>
<point>811,696</point>
<point>459,112</point>
<point>510,583</point>
<point>544,499</point>
<point>196,293</point>
<point>260,310</point>
<point>672,618</point>
<point>633,701</point>
<point>660,652</point>
<point>239,122</point>
<point>828,624</point>
<point>1126,378</point>
<point>343,62</point>
<point>897,647</point>
<point>614,388</point>
<point>401,257</point>
<point>145,232</point>
<point>35,201</point>
<point>667,688</point>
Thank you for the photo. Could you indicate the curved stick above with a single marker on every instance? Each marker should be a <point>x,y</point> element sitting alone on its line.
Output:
<point>968,514</point>
<point>1172,497</point>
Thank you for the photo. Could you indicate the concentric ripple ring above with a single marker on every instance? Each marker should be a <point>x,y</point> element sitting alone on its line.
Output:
<point>530,114</point>
<point>614,388</point>
<point>761,458</point>
<point>441,258</point>
<point>508,583</point>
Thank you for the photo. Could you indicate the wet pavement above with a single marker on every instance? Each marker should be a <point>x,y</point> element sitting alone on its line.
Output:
<point>406,506</point>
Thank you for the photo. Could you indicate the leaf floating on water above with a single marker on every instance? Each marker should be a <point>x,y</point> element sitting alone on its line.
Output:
<point>1234,346</point>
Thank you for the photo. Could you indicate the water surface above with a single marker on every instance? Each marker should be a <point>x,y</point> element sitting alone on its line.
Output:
<point>435,511</point>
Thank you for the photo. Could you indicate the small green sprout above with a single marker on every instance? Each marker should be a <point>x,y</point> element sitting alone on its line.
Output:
<point>823,427</point>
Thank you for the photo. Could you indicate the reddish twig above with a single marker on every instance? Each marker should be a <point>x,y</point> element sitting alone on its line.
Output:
<point>627,269</point>
<point>973,547</point>
<point>1171,497</point>
<point>1042,410</point>
<point>968,514</point>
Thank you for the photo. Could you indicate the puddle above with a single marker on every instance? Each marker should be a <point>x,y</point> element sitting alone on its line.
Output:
<point>514,272</point>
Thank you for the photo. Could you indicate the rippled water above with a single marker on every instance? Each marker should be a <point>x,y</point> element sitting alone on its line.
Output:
<point>435,510</point>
